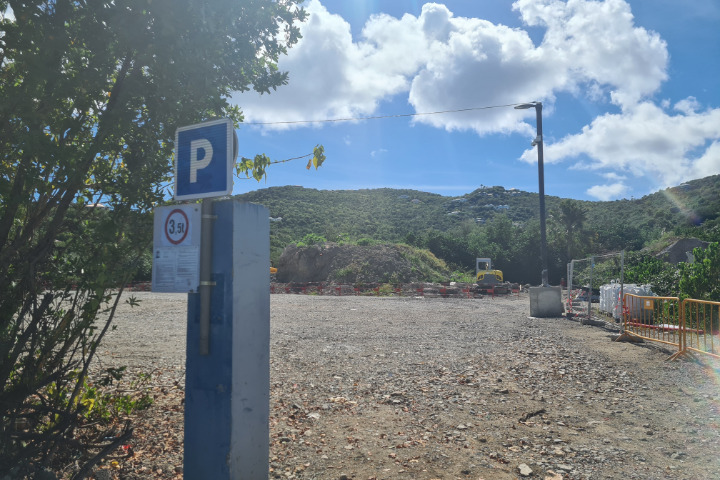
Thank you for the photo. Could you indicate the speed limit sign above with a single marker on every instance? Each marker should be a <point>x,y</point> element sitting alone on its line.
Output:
<point>177,226</point>
<point>176,248</point>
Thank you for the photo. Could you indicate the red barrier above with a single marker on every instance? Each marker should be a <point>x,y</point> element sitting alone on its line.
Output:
<point>444,291</point>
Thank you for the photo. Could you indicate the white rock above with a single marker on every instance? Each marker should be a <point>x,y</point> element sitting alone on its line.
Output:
<point>524,470</point>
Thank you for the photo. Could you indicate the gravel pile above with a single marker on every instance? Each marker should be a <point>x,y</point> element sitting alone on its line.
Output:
<point>433,388</point>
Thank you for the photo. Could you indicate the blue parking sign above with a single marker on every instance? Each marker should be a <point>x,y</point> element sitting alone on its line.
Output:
<point>204,158</point>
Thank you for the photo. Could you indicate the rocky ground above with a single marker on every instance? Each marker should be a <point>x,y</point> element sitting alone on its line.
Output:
<point>436,388</point>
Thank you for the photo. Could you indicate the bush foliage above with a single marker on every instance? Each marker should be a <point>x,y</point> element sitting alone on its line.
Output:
<point>91,94</point>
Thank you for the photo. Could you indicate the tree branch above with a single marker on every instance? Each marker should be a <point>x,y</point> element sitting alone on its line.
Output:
<point>87,468</point>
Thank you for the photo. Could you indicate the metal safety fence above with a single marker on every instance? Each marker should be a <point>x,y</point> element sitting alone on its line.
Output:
<point>587,276</point>
<point>657,319</point>
<point>691,326</point>
<point>702,319</point>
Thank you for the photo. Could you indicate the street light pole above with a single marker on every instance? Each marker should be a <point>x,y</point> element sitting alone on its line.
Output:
<point>541,180</point>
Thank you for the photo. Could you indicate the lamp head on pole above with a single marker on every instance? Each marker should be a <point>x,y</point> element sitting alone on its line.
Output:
<point>524,106</point>
<point>538,109</point>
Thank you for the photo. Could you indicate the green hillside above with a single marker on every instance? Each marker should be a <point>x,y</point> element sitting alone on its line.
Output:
<point>382,214</point>
<point>490,221</point>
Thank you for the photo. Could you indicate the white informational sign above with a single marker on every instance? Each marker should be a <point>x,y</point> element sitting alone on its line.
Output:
<point>176,249</point>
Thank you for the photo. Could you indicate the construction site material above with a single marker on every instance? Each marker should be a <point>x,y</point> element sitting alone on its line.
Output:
<point>611,293</point>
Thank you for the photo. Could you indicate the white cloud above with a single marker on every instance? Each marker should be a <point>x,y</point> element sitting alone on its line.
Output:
<point>608,192</point>
<point>439,61</point>
<point>688,106</point>
<point>614,176</point>
<point>598,44</point>
<point>708,164</point>
<point>333,77</point>
<point>444,62</point>
<point>477,63</point>
<point>645,141</point>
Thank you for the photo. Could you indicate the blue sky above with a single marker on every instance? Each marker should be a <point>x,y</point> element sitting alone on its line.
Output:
<point>630,92</point>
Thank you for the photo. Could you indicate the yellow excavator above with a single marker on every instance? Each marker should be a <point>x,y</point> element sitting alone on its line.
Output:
<point>489,280</point>
<point>487,276</point>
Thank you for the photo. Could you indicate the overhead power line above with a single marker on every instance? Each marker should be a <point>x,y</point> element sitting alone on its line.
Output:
<point>377,117</point>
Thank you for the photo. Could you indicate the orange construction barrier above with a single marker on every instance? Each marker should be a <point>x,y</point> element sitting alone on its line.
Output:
<point>702,327</point>
<point>399,289</point>
<point>693,326</point>
<point>656,319</point>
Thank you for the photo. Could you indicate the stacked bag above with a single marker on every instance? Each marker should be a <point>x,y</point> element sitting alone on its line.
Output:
<point>610,301</point>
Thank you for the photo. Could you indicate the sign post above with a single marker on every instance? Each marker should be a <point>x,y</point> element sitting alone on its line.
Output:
<point>227,391</point>
<point>219,252</point>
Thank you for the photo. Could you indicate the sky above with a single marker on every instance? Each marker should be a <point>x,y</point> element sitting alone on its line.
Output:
<point>630,94</point>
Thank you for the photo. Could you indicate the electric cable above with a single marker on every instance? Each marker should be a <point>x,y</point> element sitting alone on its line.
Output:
<point>377,117</point>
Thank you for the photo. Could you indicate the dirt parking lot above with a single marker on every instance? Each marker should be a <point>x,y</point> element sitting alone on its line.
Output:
<point>420,388</point>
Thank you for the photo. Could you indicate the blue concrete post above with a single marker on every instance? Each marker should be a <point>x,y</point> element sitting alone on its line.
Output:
<point>227,393</point>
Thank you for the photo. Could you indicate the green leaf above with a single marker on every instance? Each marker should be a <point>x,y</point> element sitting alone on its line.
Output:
<point>318,156</point>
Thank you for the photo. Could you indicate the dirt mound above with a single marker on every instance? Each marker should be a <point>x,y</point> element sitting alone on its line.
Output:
<point>332,262</point>
<point>681,251</point>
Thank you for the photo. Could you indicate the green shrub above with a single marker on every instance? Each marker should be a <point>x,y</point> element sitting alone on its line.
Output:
<point>701,279</point>
<point>366,242</point>
<point>642,268</point>
<point>311,239</point>
<point>462,277</point>
<point>385,290</point>
<point>425,264</point>
<point>347,274</point>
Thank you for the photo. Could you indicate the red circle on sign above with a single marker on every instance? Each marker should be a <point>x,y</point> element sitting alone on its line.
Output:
<point>185,231</point>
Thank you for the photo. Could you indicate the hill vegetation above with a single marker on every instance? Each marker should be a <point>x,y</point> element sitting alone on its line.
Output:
<point>353,264</point>
<point>493,222</point>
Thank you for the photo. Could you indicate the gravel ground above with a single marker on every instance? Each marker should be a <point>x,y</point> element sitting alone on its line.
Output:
<point>431,388</point>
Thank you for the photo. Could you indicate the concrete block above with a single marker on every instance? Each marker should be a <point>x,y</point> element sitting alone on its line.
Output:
<point>546,302</point>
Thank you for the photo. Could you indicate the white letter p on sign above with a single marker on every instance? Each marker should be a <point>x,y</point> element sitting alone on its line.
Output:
<point>199,163</point>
